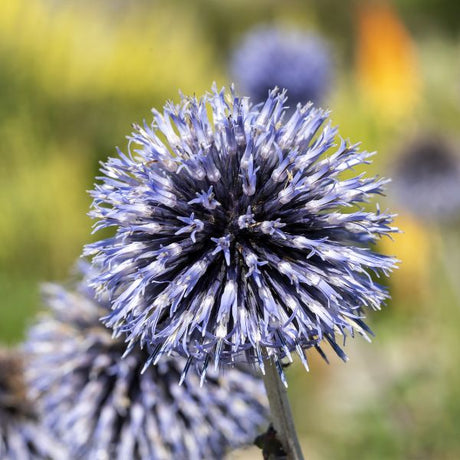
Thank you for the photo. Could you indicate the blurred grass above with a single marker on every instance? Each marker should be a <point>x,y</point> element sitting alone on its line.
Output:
<point>75,75</point>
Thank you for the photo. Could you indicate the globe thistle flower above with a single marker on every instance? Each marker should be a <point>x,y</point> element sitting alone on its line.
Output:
<point>427,179</point>
<point>236,234</point>
<point>22,436</point>
<point>270,57</point>
<point>103,407</point>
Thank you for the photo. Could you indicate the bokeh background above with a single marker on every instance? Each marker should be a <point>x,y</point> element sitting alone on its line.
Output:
<point>74,75</point>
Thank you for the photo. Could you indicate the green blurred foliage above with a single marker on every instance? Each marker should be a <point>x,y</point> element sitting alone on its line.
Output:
<point>75,75</point>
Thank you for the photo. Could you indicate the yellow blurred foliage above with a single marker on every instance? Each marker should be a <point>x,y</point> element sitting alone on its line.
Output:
<point>44,206</point>
<point>387,68</point>
<point>413,247</point>
<point>88,50</point>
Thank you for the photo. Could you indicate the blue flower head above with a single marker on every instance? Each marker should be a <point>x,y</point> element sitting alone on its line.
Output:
<point>292,59</point>
<point>104,408</point>
<point>427,179</point>
<point>236,233</point>
<point>22,435</point>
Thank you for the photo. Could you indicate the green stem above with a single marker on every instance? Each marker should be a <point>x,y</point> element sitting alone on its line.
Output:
<point>281,411</point>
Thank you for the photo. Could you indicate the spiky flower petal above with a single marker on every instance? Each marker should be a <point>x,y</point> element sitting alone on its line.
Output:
<point>22,436</point>
<point>272,56</point>
<point>237,233</point>
<point>104,407</point>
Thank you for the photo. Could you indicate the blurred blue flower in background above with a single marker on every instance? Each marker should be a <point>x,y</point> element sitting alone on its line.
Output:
<point>236,236</point>
<point>427,178</point>
<point>103,407</point>
<point>22,436</point>
<point>292,59</point>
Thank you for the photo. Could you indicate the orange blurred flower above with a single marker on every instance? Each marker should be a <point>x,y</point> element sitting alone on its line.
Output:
<point>386,61</point>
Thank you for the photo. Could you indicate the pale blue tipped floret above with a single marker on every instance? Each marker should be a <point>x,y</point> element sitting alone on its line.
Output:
<point>236,233</point>
<point>104,406</point>
<point>271,56</point>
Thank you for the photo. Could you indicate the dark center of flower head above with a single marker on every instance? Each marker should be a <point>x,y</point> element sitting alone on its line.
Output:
<point>231,236</point>
<point>14,402</point>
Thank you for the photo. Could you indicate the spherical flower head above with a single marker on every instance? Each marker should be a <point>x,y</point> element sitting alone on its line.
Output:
<point>272,56</point>
<point>105,407</point>
<point>236,234</point>
<point>22,436</point>
<point>427,179</point>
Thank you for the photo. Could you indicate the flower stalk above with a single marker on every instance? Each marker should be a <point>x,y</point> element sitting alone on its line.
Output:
<point>280,409</point>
